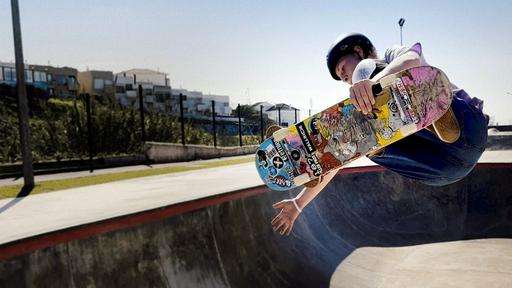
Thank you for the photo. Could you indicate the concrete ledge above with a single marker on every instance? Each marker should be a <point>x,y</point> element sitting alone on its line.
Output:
<point>51,167</point>
<point>168,152</point>
<point>501,141</point>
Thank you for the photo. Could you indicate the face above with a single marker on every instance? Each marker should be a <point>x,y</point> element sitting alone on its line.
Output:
<point>346,66</point>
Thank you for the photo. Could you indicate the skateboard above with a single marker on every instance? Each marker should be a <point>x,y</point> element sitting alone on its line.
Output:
<point>405,102</point>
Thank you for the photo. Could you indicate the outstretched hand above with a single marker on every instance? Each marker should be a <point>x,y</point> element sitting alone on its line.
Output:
<point>283,221</point>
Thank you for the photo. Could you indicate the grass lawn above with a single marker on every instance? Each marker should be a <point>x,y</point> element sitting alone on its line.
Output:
<point>54,185</point>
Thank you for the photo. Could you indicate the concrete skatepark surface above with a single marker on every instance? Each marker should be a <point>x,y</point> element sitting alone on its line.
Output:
<point>227,241</point>
<point>469,263</point>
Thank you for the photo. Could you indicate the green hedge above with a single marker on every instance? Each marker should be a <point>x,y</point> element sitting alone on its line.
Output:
<point>59,130</point>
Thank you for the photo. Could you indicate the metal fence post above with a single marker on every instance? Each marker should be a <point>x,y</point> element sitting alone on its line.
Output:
<point>295,109</point>
<point>90,134</point>
<point>182,120</point>
<point>279,116</point>
<point>213,125</point>
<point>261,123</point>
<point>141,108</point>
<point>240,125</point>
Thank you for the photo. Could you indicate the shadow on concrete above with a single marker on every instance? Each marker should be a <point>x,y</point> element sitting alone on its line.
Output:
<point>25,191</point>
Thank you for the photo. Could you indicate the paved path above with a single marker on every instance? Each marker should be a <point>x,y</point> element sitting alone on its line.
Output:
<point>57,176</point>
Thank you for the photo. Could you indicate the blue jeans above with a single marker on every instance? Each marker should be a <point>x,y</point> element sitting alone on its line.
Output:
<point>422,156</point>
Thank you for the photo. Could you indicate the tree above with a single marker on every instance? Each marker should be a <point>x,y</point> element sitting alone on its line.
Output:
<point>246,111</point>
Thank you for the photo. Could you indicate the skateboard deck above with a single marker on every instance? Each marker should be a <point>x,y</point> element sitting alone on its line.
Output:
<point>405,102</point>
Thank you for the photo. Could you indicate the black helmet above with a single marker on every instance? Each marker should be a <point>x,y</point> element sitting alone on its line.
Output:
<point>344,45</point>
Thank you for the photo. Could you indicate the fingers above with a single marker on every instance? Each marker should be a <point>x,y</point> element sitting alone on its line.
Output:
<point>283,221</point>
<point>364,99</point>
<point>288,229</point>
<point>276,218</point>
<point>361,96</point>
<point>371,97</point>
<point>281,226</point>
<point>353,98</point>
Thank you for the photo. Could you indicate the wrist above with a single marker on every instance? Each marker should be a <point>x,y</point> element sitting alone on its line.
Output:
<point>299,202</point>
<point>296,205</point>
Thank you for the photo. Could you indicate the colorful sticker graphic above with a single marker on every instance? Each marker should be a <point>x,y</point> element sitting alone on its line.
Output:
<point>281,181</point>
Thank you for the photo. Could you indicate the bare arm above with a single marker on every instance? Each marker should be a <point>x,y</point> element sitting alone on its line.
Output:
<point>309,194</point>
<point>405,61</point>
<point>289,209</point>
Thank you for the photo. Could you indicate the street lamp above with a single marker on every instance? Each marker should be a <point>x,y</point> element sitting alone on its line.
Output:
<point>401,24</point>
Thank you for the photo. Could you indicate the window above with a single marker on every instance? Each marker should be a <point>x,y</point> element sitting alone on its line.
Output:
<point>9,74</point>
<point>38,76</point>
<point>71,79</point>
<point>49,77</point>
<point>61,79</point>
<point>108,82</point>
<point>28,76</point>
<point>1,73</point>
<point>129,87</point>
<point>99,84</point>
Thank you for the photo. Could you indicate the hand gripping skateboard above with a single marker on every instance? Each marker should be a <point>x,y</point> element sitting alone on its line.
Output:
<point>405,102</point>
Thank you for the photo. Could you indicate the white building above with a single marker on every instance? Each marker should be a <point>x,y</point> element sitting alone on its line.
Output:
<point>147,76</point>
<point>155,85</point>
<point>197,103</point>
<point>159,96</point>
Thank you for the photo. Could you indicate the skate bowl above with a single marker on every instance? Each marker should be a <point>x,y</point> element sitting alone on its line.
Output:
<point>227,240</point>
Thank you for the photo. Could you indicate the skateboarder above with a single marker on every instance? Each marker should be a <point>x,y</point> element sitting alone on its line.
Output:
<point>443,153</point>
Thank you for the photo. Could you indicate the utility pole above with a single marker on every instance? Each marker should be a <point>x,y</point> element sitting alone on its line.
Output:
<point>26,149</point>
<point>401,24</point>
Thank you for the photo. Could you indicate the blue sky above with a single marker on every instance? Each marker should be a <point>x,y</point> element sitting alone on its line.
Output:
<point>267,50</point>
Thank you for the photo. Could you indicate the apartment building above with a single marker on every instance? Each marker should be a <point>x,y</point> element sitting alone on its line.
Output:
<point>198,104</point>
<point>97,83</point>
<point>62,81</point>
<point>155,86</point>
